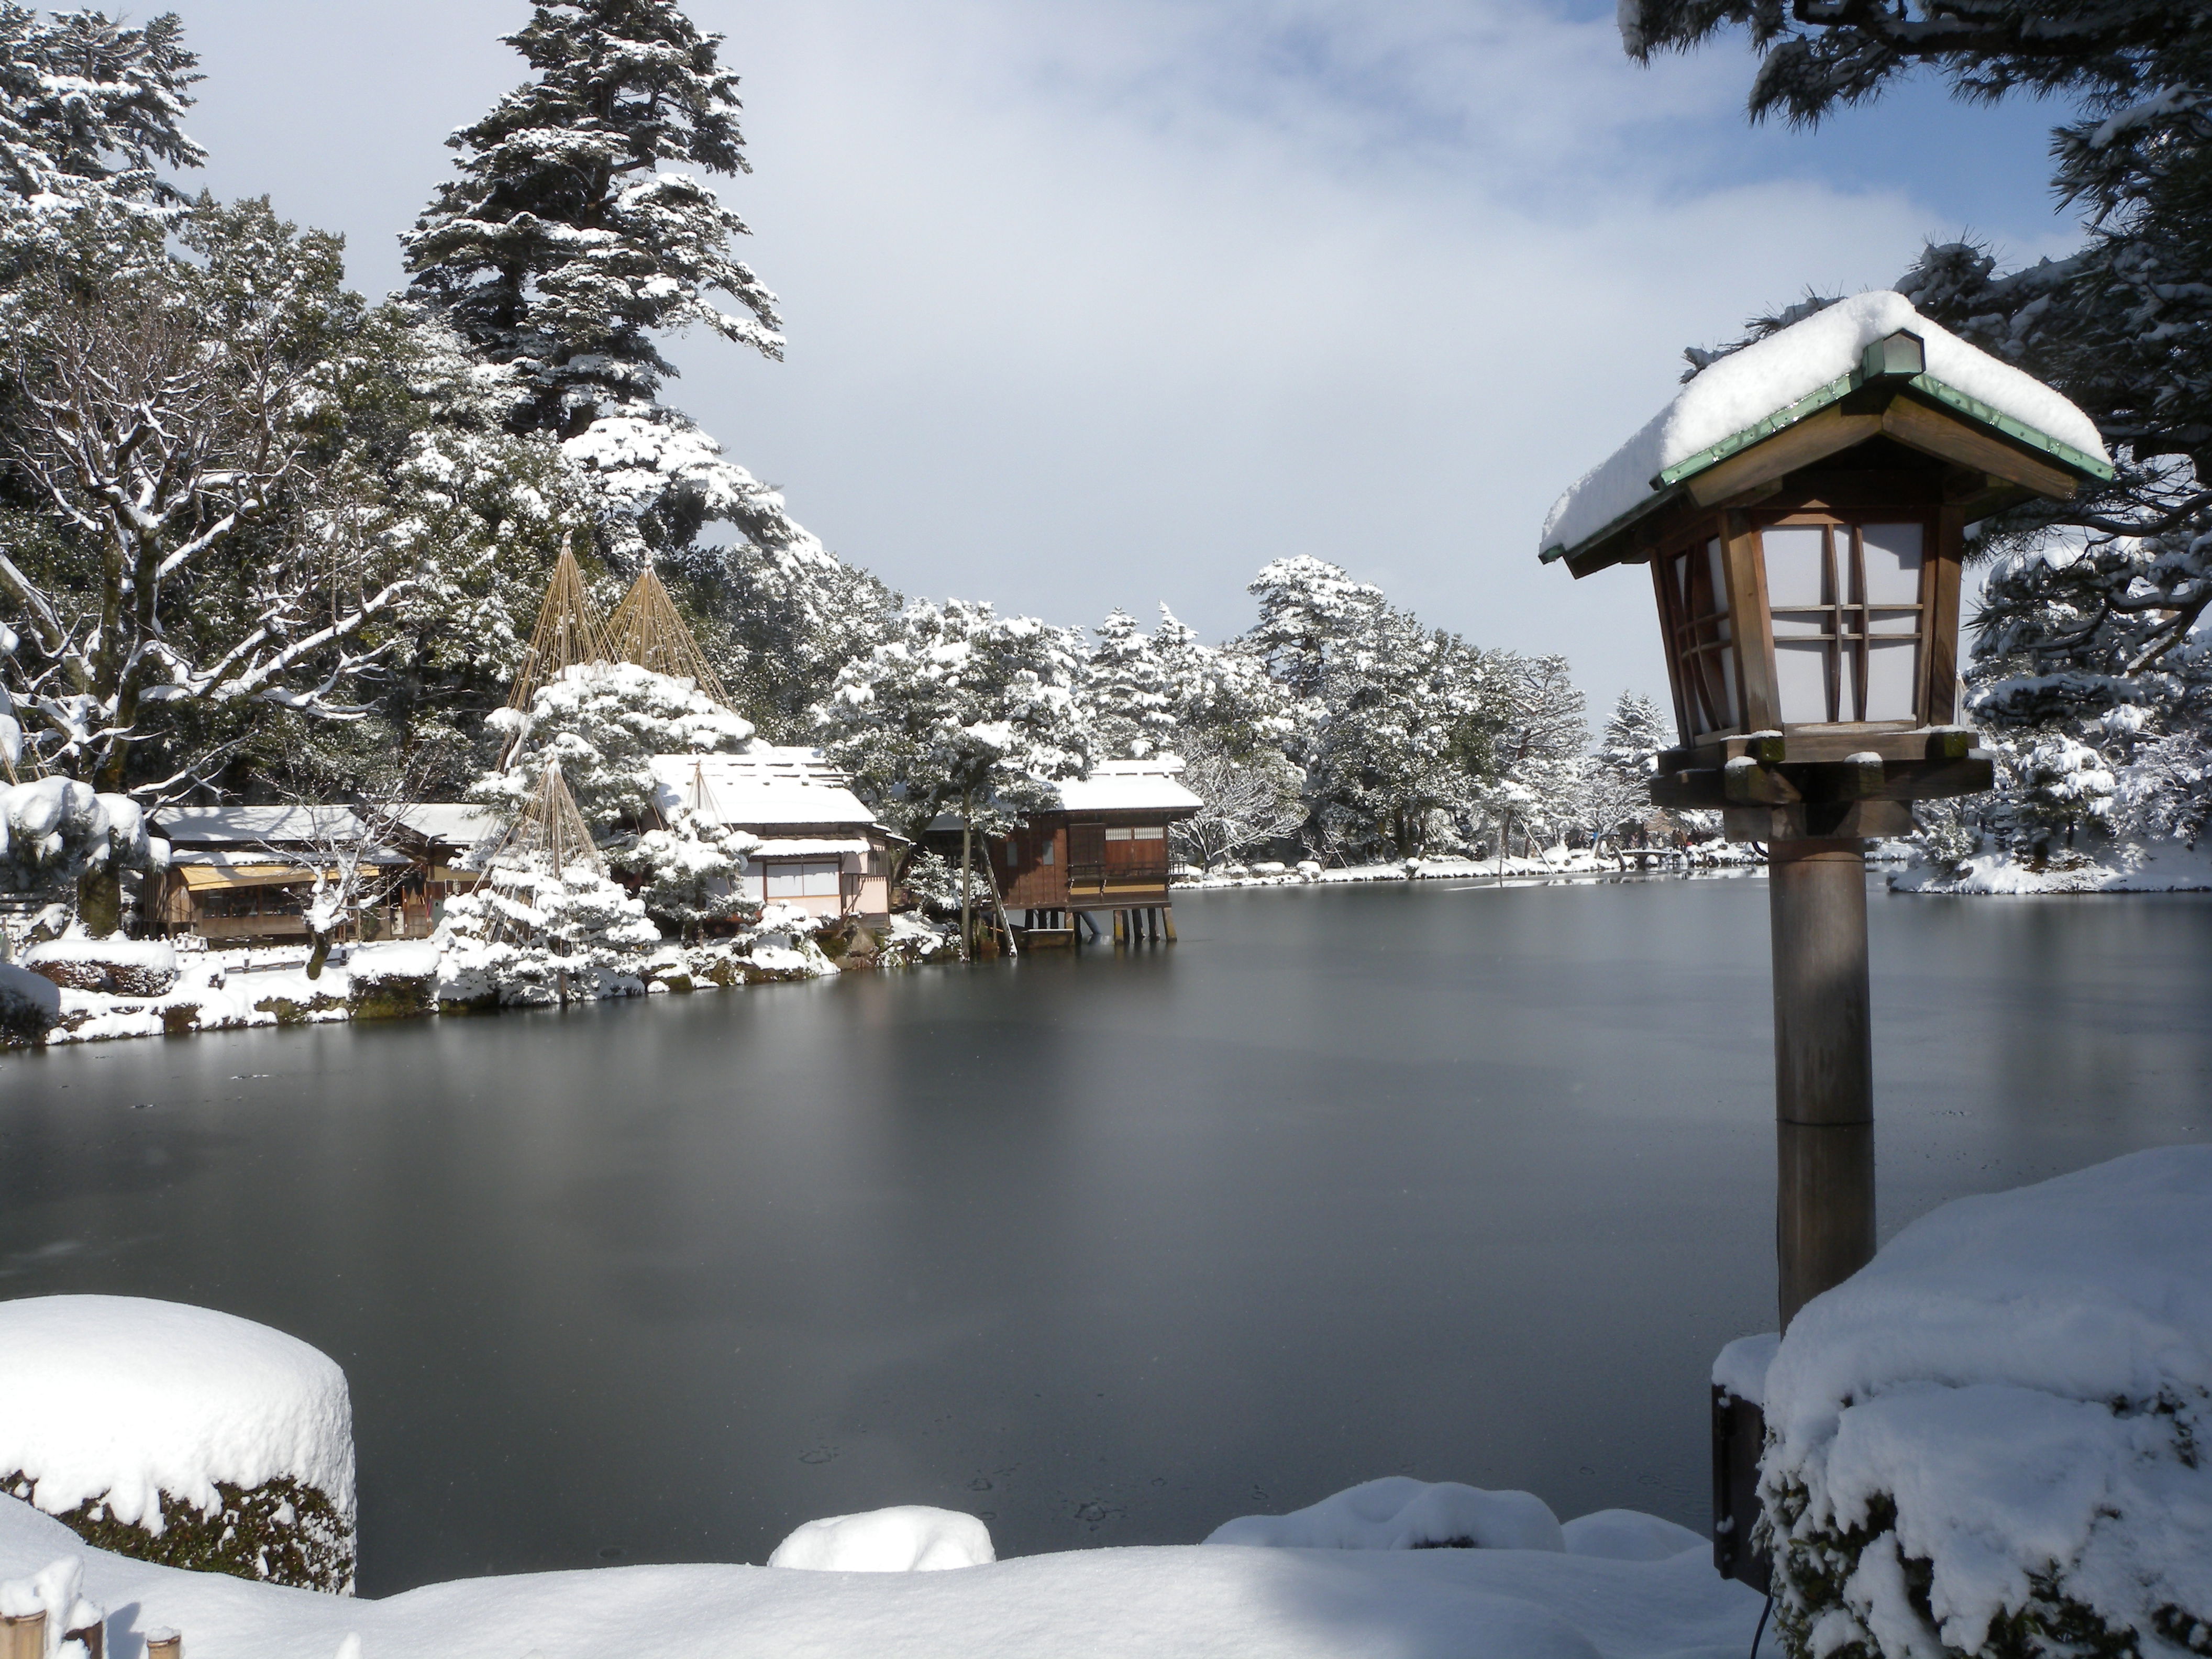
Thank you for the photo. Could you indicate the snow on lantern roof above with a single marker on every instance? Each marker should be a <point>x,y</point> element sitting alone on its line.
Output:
<point>1796,371</point>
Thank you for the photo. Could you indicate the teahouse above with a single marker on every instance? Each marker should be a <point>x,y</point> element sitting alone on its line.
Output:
<point>821,849</point>
<point>1103,846</point>
<point>1803,505</point>
<point>244,873</point>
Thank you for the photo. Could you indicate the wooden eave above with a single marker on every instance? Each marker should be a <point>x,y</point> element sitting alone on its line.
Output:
<point>2011,459</point>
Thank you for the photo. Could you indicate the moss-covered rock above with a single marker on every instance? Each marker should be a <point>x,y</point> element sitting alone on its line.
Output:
<point>280,1532</point>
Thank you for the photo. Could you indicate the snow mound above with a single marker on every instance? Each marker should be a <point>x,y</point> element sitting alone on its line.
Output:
<point>1173,1602</point>
<point>1994,1432</point>
<point>1630,1535</point>
<point>1401,1513</point>
<point>1747,386</point>
<point>121,1398</point>
<point>1742,1367</point>
<point>911,1538</point>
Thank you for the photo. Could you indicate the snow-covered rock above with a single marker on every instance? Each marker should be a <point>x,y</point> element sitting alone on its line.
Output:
<point>1630,1535</point>
<point>1401,1513</point>
<point>392,981</point>
<point>911,1538</point>
<point>1991,1440</point>
<point>179,1434</point>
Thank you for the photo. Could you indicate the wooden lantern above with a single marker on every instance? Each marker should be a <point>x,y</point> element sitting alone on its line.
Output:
<point>1807,569</point>
<point>1803,505</point>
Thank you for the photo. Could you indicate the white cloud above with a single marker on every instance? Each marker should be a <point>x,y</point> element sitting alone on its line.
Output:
<point>1105,304</point>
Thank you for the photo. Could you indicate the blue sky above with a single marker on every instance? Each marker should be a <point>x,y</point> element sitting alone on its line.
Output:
<point>1106,304</point>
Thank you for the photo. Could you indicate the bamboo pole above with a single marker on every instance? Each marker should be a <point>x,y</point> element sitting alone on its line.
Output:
<point>23,1637</point>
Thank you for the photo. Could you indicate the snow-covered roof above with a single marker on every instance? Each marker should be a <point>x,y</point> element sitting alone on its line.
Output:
<point>1129,786</point>
<point>761,789</point>
<point>1796,371</point>
<point>455,824</point>
<point>801,847</point>
<point>249,826</point>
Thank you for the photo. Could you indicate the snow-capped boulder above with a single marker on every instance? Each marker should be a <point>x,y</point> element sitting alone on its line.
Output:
<point>1401,1513</point>
<point>30,1006</point>
<point>1630,1535</point>
<point>1991,1439</point>
<point>179,1435</point>
<point>912,1537</point>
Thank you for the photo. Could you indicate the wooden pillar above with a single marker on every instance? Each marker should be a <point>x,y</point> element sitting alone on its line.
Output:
<point>23,1638</point>
<point>1117,926</point>
<point>1823,1066</point>
<point>163,1643</point>
<point>1167,921</point>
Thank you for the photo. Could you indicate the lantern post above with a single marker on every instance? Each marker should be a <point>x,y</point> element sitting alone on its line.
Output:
<point>1803,505</point>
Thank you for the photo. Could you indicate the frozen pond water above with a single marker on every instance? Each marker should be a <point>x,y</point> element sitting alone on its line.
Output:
<point>1464,1183</point>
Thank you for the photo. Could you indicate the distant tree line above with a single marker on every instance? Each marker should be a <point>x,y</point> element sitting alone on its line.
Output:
<point>262,538</point>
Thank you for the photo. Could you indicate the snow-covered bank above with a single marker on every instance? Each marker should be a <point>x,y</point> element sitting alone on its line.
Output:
<point>1188,1602</point>
<point>1561,861</point>
<point>2123,867</point>
<point>1991,1439</point>
<point>77,990</point>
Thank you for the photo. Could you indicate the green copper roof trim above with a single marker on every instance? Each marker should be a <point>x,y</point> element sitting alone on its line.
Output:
<point>1813,402</point>
<point>2079,460</point>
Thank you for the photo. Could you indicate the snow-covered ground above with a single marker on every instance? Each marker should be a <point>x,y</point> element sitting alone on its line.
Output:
<point>1559,861</point>
<point>1604,1595</point>
<point>2125,867</point>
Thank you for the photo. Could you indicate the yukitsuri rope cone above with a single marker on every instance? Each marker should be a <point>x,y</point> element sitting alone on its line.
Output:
<point>648,630</point>
<point>550,827</point>
<point>569,632</point>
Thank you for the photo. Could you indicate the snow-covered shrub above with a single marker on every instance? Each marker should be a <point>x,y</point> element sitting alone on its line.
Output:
<point>179,1435</point>
<point>30,1006</point>
<point>530,937</point>
<point>1401,1513</point>
<point>1991,1440</point>
<point>604,722</point>
<point>124,967</point>
<point>911,1538</point>
<point>392,981</point>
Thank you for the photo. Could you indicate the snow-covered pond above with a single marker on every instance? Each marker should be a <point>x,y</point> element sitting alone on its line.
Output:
<point>1460,1182</point>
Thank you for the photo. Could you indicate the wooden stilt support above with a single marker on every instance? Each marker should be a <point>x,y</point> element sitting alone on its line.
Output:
<point>1823,1066</point>
<point>1167,921</point>
<point>162,1642</point>
<point>23,1637</point>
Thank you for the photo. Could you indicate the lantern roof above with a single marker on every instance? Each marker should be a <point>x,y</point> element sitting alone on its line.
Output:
<point>1874,340</point>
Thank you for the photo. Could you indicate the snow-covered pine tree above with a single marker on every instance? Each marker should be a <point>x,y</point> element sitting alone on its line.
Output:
<point>89,114</point>
<point>561,249</point>
<point>1223,692</point>
<point>1537,751</point>
<point>1616,789</point>
<point>960,711</point>
<point>1125,694</point>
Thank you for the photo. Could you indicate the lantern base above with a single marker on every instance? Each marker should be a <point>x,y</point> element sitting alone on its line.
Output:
<point>1809,784</point>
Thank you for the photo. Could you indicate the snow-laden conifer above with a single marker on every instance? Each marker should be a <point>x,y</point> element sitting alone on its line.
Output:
<point>561,248</point>
<point>1125,694</point>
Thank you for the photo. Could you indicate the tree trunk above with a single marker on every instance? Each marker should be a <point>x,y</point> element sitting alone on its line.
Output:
<point>967,908</point>
<point>100,901</point>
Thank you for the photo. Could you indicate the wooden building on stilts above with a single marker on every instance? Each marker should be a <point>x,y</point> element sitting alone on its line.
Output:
<point>1103,847</point>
